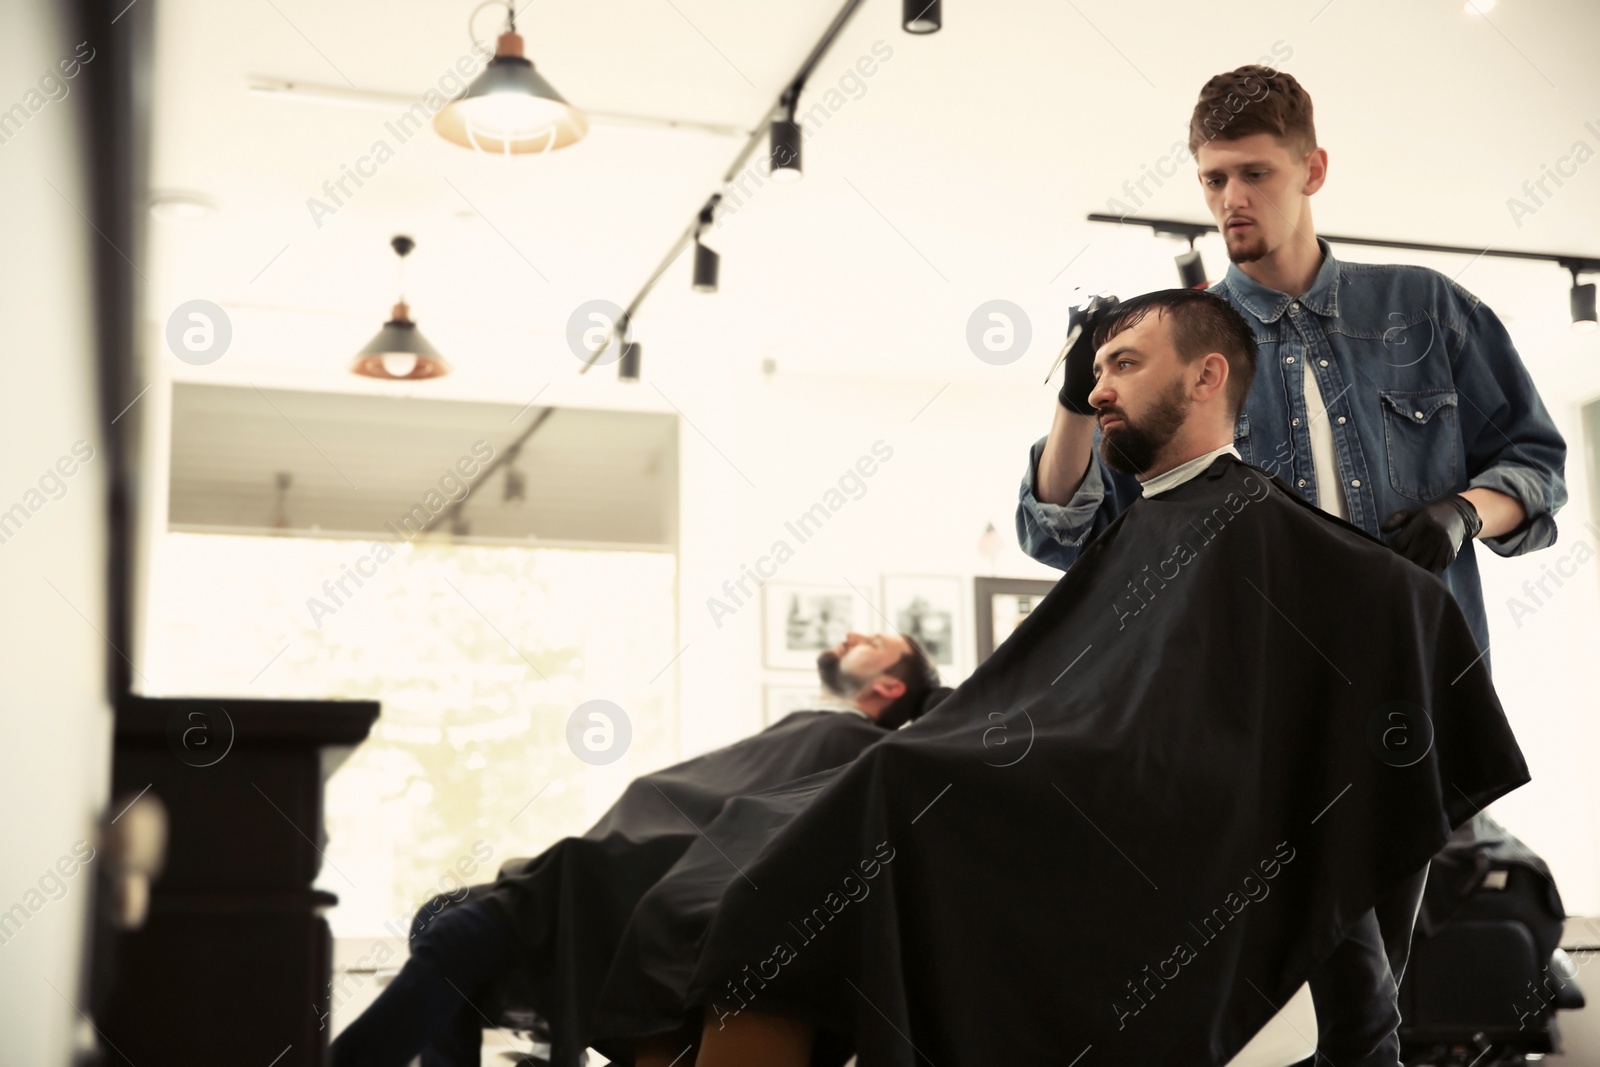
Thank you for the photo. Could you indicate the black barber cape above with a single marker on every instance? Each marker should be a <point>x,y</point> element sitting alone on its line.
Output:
<point>570,903</point>
<point>1129,836</point>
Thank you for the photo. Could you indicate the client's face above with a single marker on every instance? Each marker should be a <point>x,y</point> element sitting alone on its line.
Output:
<point>854,662</point>
<point>1140,395</point>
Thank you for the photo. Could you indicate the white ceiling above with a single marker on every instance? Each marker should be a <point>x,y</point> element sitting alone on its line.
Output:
<point>962,173</point>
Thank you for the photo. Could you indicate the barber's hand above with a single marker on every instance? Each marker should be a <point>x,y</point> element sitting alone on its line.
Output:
<point>1079,352</point>
<point>1431,535</point>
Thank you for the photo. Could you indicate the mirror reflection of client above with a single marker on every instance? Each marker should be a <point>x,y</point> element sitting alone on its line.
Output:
<point>548,926</point>
<point>1233,727</point>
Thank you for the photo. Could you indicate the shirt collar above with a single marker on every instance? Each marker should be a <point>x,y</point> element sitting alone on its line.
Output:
<point>826,701</point>
<point>1268,305</point>
<point>1184,471</point>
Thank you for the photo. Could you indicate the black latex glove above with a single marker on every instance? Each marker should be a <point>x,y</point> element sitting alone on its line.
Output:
<point>1431,535</point>
<point>1079,352</point>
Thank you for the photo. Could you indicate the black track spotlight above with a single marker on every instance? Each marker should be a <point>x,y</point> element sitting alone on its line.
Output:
<point>706,260</point>
<point>1191,271</point>
<point>786,136</point>
<point>628,365</point>
<point>921,16</point>
<point>1583,317</point>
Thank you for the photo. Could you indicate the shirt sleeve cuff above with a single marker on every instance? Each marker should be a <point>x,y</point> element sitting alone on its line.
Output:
<point>1068,524</point>
<point>1538,529</point>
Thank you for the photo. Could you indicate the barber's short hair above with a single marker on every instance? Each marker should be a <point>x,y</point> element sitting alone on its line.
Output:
<point>915,668</point>
<point>1201,323</point>
<point>1254,99</point>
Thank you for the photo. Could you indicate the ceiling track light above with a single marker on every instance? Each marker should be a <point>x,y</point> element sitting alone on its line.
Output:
<point>509,109</point>
<point>1191,268</point>
<point>628,365</point>
<point>785,136</point>
<point>399,352</point>
<point>706,260</point>
<point>921,16</point>
<point>1582,301</point>
<point>516,483</point>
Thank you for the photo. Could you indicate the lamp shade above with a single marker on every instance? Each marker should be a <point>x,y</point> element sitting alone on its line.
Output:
<point>399,352</point>
<point>510,109</point>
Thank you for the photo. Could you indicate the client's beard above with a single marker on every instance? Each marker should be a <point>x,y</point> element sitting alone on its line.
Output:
<point>1131,448</point>
<point>839,682</point>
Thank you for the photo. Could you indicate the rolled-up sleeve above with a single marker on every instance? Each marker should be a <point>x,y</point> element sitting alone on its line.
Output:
<point>1055,534</point>
<point>1512,444</point>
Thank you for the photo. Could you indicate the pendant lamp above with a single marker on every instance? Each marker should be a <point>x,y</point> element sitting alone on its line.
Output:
<point>510,109</point>
<point>399,352</point>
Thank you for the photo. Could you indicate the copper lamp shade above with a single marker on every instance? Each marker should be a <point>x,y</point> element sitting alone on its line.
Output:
<point>399,352</point>
<point>510,109</point>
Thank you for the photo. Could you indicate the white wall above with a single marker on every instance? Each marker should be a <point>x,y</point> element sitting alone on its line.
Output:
<point>53,765</point>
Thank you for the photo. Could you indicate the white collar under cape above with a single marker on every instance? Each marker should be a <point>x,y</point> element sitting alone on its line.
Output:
<point>1184,471</point>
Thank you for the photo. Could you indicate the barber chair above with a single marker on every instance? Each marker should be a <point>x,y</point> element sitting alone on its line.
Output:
<point>1486,976</point>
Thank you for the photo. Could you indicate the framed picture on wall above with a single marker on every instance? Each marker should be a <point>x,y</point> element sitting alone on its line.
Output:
<point>780,698</point>
<point>1001,604</point>
<point>798,621</point>
<point>927,607</point>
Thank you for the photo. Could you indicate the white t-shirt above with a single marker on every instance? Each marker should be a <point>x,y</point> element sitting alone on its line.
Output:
<point>1330,489</point>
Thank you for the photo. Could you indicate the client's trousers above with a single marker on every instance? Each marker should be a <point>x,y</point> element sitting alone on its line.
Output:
<point>1356,990</point>
<point>431,1006</point>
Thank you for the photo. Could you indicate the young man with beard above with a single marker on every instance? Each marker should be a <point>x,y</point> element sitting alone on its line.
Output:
<point>1194,703</point>
<point>547,927</point>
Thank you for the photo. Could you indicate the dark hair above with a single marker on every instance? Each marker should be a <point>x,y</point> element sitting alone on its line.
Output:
<point>1254,99</point>
<point>921,677</point>
<point>1202,323</point>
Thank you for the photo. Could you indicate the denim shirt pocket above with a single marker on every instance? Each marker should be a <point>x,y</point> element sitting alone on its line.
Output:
<point>1241,438</point>
<point>1422,436</point>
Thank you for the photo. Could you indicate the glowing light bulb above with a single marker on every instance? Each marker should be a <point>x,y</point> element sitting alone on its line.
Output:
<point>399,364</point>
<point>498,121</point>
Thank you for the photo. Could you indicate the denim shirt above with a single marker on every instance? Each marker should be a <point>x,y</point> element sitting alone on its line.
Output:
<point>1425,395</point>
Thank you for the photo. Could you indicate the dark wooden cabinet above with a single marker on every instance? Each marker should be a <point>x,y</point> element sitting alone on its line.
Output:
<point>233,962</point>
